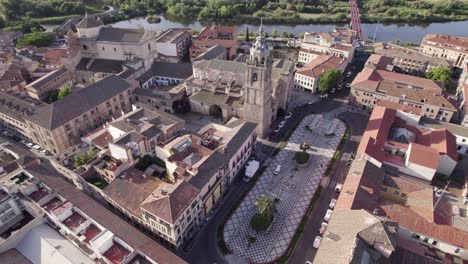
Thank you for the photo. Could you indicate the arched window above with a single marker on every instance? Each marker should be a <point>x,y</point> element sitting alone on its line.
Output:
<point>149,46</point>
<point>85,47</point>
<point>254,76</point>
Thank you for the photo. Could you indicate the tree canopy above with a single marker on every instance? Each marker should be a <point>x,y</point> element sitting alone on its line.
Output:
<point>439,74</point>
<point>329,80</point>
<point>37,39</point>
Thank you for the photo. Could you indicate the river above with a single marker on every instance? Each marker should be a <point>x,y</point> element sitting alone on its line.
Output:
<point>412,33</point>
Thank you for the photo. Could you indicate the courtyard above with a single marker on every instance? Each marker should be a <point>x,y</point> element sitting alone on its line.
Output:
<point>293,187</point>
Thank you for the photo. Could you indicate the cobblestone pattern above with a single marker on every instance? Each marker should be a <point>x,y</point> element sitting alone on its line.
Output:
<point>295,190</point>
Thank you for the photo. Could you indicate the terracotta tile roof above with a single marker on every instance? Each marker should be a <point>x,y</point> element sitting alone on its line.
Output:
<point>424,156</point>
<point>170,207</point>
<point>135,182</point>
<point>411,220</point>
<point>361,189</point>
<point>131,235</point>
<point>397,106</point>
<point>320,65</point>
<point>379,62</point>
<point>311,51</point>
<point>447,41</point>
<point>382,119</point>
<point>342,47</point>
<point>403,86</point>
<point>420,195</point>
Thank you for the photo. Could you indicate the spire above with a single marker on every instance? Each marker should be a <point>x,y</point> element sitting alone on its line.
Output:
<point>260,30</point>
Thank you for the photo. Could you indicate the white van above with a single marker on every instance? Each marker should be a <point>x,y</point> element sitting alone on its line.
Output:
<point>277,170</point>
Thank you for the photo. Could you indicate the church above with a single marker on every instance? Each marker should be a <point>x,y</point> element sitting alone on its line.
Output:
<point>252,88</point>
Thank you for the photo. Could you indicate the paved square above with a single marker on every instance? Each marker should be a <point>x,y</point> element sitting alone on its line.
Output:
<point>294,189</point>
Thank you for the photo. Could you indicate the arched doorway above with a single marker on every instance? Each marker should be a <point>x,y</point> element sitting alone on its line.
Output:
<point>216,111</point>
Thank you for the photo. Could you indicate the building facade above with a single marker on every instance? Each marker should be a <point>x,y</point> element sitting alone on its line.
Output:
<point>371,86</point>
<point>253,89</point>
<point>307,78</point>
<point>60,125</point>
<point>55,80</point>
<point>454,49</point>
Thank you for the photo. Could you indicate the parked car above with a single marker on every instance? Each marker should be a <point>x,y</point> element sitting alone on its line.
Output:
<point>24,142</point>
<point>348,85</point>
<point>310,102</point>
<point>277,170</point>
<point>288,115</point>
<point>328,215</point>
<point>277,129</point>
<point>317,241</point>
<point>29,145</point>
<point>338,187</point>
<point>281,124</point>
<point>323,227</point>
<point>332,204</point>
<point>45,152</point>
<point>36,147</point>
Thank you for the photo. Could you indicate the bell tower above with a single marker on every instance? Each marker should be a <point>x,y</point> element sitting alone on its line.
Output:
<point>257,102</point>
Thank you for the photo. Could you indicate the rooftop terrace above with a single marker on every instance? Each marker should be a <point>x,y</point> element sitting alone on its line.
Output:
<point>116,253</point>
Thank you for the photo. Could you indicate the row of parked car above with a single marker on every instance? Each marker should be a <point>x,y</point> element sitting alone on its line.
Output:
<point>326,218</point>
<point>34,147</point>
<point>24,142</point>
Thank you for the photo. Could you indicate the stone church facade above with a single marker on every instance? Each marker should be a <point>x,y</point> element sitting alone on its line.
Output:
<point>253,89</point>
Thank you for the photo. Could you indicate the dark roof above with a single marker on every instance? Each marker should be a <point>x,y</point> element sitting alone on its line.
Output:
<point>47,78</point>
<point>120,34</point>
<point>211,53</point>
<point>89,22</point>
<point>62,111</point>
<point>104,217</point>
<point>218,159</point>
<point>170,207</point>
<point>19,106</point>
<point>437,124</point>
<point>167,69</point>
<point>100,65</point>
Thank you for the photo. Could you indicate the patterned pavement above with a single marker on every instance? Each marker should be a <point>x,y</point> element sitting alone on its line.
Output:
<point>294,189</point>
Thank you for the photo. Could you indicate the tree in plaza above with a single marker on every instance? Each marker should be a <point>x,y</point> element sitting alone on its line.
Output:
<point>329,80</point>
<point>285,34</point>
<point>266,208</point>
<point>439,74</point>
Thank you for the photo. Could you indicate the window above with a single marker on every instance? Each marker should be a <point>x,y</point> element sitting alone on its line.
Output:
<point>459,147</point>
<point>103,49</point>
<point>254,77</point>
<point>85,47</point>
<point>404,195</point>
<point>396,193</point>
<point>115,50</point>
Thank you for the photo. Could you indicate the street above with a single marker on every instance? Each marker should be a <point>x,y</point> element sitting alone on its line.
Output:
<point>205,248</point>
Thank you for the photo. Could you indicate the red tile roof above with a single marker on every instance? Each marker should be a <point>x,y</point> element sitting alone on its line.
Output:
<point>446,40</point>
<point>411,220</point>
<point>320,65</point>
<point>383,119</point>
<point>424,156</point>
<point>397,106</point>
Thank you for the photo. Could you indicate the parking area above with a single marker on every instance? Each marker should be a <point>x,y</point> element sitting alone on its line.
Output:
<point>33,147</point>
<point>294,186</point>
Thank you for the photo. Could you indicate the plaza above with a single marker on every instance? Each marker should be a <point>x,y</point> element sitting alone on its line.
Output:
<point>294,186</point>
